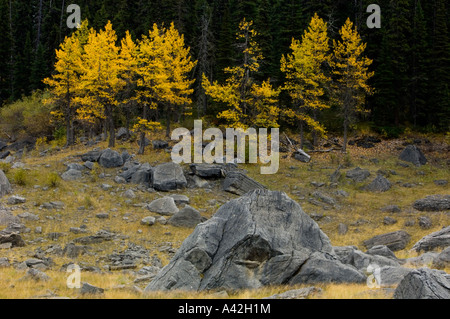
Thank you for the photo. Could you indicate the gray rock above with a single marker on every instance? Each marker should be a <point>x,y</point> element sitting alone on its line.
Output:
<point>100,237</point>
<point>424,260</point>
<point>163,206</point>
<point>36,274</point>
<point>441,182</point>
<point>357,174</point>
<point>442,260</point>
<point>110,159</point>
<point>433,203</point>
<point>122,133</point>
<point>11,239</point>
<point>438,239</point>
<point>7,218</point>
<point>5,186</point>
<point>302,156</point>
<point>208,170</point>
<point>414,155</point>
<point>334,178</point>
<point>15,200</point>
<point>342,229</point>
<point>302,293</point>
<point>88,289</point>
<point>324,198</point>
<point>75,166</point>
<point>120,180</point>
<point>425,222</point>
<point>391,209</point>
<point>389,220</point>
<point>4,262</point>
<point>180,199</point>
<point>186,217</point>
<point>148,221</point>
<point>28,216</point>
<point>350,255</point>
<point>392,276</point>
<point>160,145</point>
<point>262,238</point>
<point>72,175</point>
<point>324,268</point>
<point>102,215</point>
<point>423,283</point>
<point>73,251</point>
<point>169,176</point>
<point>382,250</point>
<point>89,165</point>
<point>238,183</point>
<point>142,177</point>
<point>92,156</point>
<point>129,194</point>
<point>379,185</point>
<point>394,241</point>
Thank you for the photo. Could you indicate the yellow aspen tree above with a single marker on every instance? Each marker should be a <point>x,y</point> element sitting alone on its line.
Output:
<point>306,81</point>
<point>164,67</point>
<point>100,79</point>
<point>248,102</point>
<point>129,59</point>
<point>351,69</point>
<point>64,83</point>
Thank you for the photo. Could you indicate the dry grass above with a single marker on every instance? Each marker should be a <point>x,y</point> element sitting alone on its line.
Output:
<point>294,178</point>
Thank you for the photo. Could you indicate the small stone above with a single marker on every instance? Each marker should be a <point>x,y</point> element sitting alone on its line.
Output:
<point>15,200</point>
<point>389,220</point>
<point>38,230</point>
<point>342,229</point>
<point>87,288</point>
<point>129,194</point>
<point>425,222</point>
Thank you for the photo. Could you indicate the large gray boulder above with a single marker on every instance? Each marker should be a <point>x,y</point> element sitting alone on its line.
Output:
<point>390,276</point>
<point>433,203</point>
<point>163,206</point>
<point>394,241</point>
<point>168,176</point>
<point>414,155</point>
<point>424,283</point>
<point>72,175</point>
<point>438,239</point>
<point>5,186</point>
<point>352,256</point>
<point>110,159</point>
<point>262,238</point>
<point>442,260</point>
<point>7,218</point>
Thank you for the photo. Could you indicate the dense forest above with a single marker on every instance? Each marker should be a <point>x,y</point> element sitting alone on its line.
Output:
<point>410,52</point>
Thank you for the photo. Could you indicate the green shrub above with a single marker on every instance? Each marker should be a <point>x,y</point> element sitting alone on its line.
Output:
<point>53,180</point>
<point>20,177</point>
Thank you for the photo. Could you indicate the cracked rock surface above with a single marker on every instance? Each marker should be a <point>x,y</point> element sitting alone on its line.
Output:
<point>261,238</point>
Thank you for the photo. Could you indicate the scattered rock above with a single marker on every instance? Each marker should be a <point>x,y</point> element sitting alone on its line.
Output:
<point>424,260</point>
<point>442,260</point>
<point>425,222</point>
<point>7,218</point>
<point>88,289</point>
<point>208,170</point>
<point>28,216</point>
<point>441,182</point>
<point>72,175</point>
<point>102,215</point>
<point>148,221</point>
<point>391,209</point>
<point>423,283</point>
<point>342,229</point>
<point>122,133</point>
<point>350,255</point>
<point>357,174</point>
<point>11,240</point>
<point>5,186</point>
<point>334,178</point>
<point>73,251</point>
<point>324,198</point>
<point>15,200</point>
<point>110,159</point>
<point>433,203</point>
<point>36,274</point>
<point>302,293</point>
<point>163,206</point>
<point>389,220</point>
<point>394,241</point>
<point>414,155</point>
<point>169,176</point>
<point>379,185</point>
<point>438,239</point>
<point>180,199</point>
<point>186,217</point>
<point>160,145</point>
<point>302,156</point>
<point>92,156</point>
<point>238,183</point>
<point>390,276</point>
<point>100,237</point>
<point>129,194</point>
